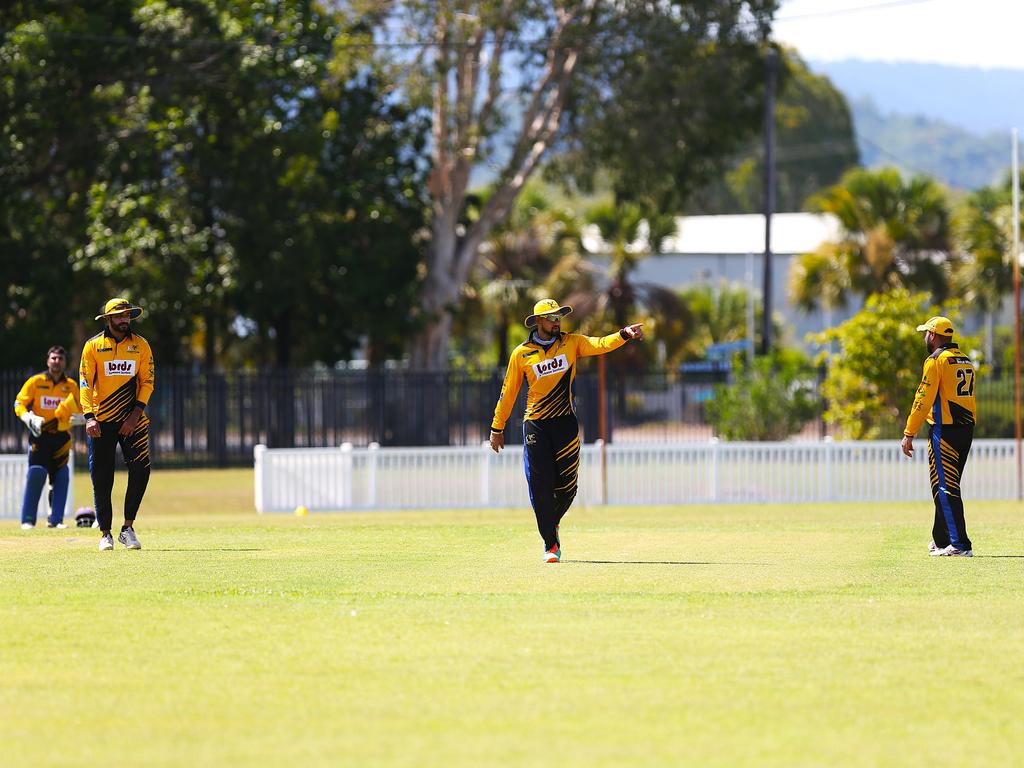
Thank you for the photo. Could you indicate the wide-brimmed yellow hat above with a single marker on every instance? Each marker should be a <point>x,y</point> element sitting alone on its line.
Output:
<point>117,306</point>
<point>940,325</point>
<point>546,307</point>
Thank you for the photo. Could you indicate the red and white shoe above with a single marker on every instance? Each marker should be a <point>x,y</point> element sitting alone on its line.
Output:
<point>952,551</point>
<point>553,555</point>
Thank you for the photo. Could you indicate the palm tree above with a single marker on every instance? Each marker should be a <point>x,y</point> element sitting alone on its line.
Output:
<point>628,235</point>
<point>896,233</point>
<point>982,228</point>
<point>519,257</point>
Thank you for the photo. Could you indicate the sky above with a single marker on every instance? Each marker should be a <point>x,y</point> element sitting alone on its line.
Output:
<point>969,33</point>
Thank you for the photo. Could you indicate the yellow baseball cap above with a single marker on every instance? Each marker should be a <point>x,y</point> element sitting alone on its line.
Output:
<point>117,306</point>
<point>546,307</point>
<point>940,325</point>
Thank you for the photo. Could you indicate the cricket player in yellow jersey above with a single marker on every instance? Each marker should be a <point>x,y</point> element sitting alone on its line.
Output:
<point>116,384</point>
<point>551,439</point>
<point>48,404</point>
<point>945,398</point>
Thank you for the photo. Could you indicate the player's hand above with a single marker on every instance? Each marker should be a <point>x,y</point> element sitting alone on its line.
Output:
<point>130,423</point>
<point>33,422</point>
<point>634,332</point>
<point>497,441</point>
<point>907,446</point>
<point>92,428</point>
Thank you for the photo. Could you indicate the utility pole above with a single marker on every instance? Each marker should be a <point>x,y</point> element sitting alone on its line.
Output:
<point>772,73</point>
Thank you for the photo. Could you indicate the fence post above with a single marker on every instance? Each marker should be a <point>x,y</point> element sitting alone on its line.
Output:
<point>829,469</point>
<point>713,469</point>
<point>485,474</point>
<point>258,454</point>
<point>371,475</point>
<point>347,475</point>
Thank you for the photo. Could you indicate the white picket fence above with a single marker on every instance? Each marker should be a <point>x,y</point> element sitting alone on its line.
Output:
<point>687,473</point>
<point>13,469</point>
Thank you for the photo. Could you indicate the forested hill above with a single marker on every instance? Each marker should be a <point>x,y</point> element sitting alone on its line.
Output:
<point>919,144</point>
<point>979,100</point>
<point>950,122</point>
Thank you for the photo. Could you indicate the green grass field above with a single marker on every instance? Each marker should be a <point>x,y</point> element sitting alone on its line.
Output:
<point>719,635</point>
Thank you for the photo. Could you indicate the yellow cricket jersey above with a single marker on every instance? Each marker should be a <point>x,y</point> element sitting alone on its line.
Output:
<point>946,393</point>
<point>550,375</point>
<point>55,401</point>
<point>115,376</point>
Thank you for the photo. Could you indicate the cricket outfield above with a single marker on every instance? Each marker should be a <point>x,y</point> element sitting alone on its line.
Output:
<point>702,635</point>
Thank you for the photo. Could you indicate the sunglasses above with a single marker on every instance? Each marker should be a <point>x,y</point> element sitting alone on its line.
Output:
<point>550,318</point>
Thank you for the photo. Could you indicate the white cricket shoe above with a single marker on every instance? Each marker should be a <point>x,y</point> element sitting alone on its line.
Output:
<point>27,526</point>
<point>106,543</point>
<point>129,539</point>
<point>932,549</point>
<point>60,526</point>
<point>952,551</point>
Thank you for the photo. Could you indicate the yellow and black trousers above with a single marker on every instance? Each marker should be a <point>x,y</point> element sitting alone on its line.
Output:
<point>948,448</point>
<point>102,455</point>
<point>551,454</point>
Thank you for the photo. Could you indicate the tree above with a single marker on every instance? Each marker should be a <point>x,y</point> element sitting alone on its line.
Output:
<point>519,257</point>
<point>228,167</point>
<point>718,315</point>
<point>815,145</point>
<point>873,374</point>
<point>770,400</point>
<point>63,79</point>
<point>610,77</point>
<point>896,234</point>
<point>983,231</point>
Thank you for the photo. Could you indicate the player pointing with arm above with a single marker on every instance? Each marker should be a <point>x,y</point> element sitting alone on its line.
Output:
<point>945,398</point>
<point>116,383</point>
<point>551,441</point>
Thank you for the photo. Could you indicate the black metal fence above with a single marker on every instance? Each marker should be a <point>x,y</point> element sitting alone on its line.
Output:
<point>215,419</point>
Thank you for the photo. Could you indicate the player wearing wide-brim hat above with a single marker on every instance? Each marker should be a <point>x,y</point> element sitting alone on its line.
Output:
<point>116,381</point>
<point>546,308</point>
<point>116,307</point>
<point>945,398</point>
<point>551,433</point>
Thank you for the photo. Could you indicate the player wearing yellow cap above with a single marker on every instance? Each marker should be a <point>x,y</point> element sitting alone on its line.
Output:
<point>116,383</point>
<point>48,404</point>
<point>945,398</point>
<point>551,440</point>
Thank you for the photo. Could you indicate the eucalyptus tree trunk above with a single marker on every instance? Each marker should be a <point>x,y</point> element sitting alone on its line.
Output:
<point>473,40</point>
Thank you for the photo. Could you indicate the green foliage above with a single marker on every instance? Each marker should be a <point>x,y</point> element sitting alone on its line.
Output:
<point>217,161</point>
<point>895,234</point>
<point>876,368</point>
<point>770,400</point>
<point>983,228</point>
<point>718,314</point>
<point>664,93</point>
<point>815,145</point>
<point>952,154</point>
<point>630,233</point>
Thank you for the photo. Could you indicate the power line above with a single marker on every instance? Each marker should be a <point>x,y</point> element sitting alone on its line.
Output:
<point>847,11</point>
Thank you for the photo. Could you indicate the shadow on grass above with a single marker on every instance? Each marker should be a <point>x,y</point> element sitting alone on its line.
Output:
<point>655,562</point>
<point>205,549</point>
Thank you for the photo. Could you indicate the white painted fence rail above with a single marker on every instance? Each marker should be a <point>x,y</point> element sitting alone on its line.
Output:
<point>685,473</point>
<point>13,470</point>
